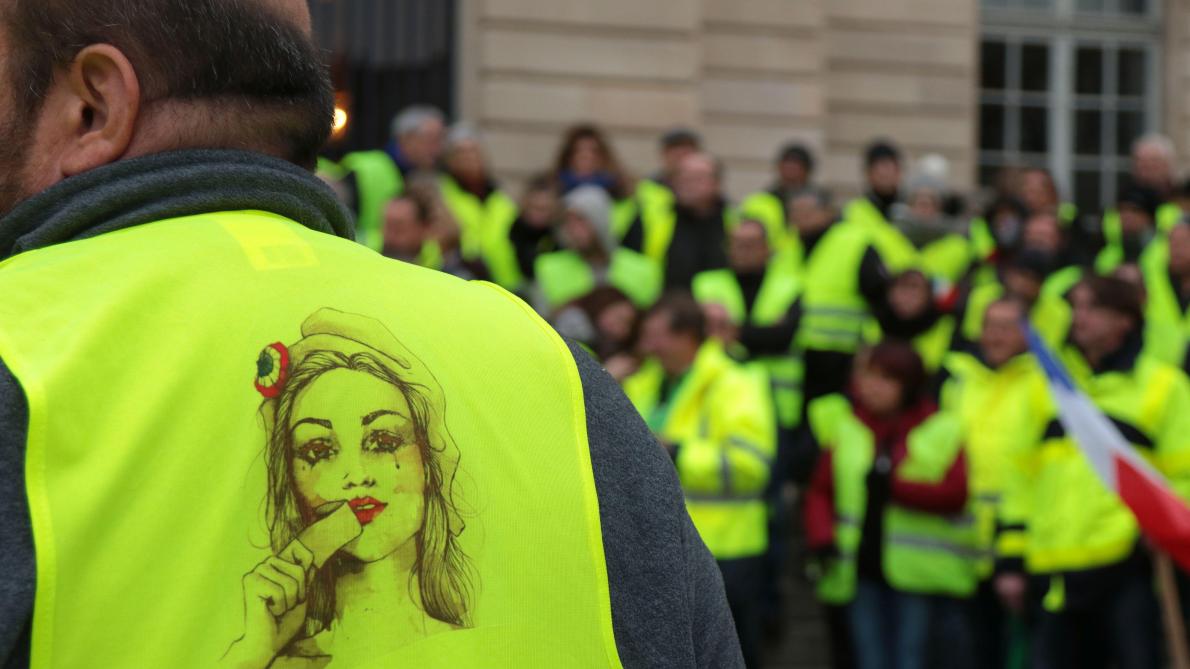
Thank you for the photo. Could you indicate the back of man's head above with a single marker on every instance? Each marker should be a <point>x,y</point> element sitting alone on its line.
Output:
<point>246,68</point>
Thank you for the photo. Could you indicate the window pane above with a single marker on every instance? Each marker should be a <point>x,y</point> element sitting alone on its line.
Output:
<point>991,127</point>
<point>1132,72</point>
<point>1087,132</point>
<point>1129,126</point>
<point>1089,71</point>
<point>992,58</point>
<point>1086,191</point>
<point>1089,6</point>
<point>1134,6</point>
<point>1034,129</point>
<point>1035,67</point>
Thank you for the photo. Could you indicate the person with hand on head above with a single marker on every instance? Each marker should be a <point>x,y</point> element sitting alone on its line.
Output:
<point>160,225</point>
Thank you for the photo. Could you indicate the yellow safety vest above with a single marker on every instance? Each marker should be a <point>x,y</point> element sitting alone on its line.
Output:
<point>377,180</point>
<point>894,248</point>
<point>769,210</point>
<point>1004,413</point>
<point>923,552</point>
<point>1051,315</point>
<point>1112,255</point>
<point>721,419</point>
<point>834,310</point>
<point>565,276</point>
<point>220,400</point>
<point>484,226</point>
<point>1074,522</point>
<point>778,291</point>
<point>1167,326</point>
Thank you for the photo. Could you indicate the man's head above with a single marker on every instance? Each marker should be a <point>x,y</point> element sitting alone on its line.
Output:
<point>1025,273</point>
<point>1043,233</point>
<point>676,145</point>
<point>748,247</point>
<point>1107,311</point>
<point>1003,335</point>
<point>420,132</point>
<point>673,331</point>
<point>1138,211</point>
<point>697,181</point>
<point>406,226</point>
<point>464,155</point>
<point>882,167</point>
<point>1153,162</point>
<point>795,166</point>
<point>810,211</point>
<point>1039,192</point>
<point>91,82</point>
<point>910,295</point>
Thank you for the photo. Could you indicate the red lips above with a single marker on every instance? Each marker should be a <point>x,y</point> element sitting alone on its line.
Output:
<point>366,508</point>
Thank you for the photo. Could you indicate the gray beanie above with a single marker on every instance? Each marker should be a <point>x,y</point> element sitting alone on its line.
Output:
<point>593,204</point>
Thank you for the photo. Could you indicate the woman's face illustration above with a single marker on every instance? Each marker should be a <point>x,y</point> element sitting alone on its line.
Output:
<point>353,440</point>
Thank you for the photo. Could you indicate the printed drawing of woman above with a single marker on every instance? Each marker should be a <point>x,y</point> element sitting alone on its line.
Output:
<point>361,513</point>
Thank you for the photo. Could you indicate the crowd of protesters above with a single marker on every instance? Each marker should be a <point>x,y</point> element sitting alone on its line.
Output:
<point>857,370</point>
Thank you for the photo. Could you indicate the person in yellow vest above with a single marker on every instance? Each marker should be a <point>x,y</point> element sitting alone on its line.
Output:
<point>591,257</point>
<point>656,192</point>
<point>1022,276</point>
<point>716,420</point>
<point>1045,235</point>
<point>1166,274</point>
<point>232,436</point>
<point>1138,221</point>
<point>873,212</point>
<point>408,233</point>
<point>754,300</point>
<point>416,143</point>
<point>941,242</point>
<point>886,516</point>
<point>534,232</point>
<point>1088,568</point>
<point>483,211</point>
<point>1152,177</point>
<point>690,235</point>
<point>910,313</point>
<point>999,394</point>
<point>795,169</point>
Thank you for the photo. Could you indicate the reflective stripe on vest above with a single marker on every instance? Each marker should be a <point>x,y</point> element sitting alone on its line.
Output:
<point>197,435</point>
<point>833,310</point>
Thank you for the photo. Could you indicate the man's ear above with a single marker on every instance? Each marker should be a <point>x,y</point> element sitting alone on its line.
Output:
<point>98,110</point>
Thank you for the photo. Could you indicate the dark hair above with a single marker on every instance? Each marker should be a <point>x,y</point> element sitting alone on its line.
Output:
<point>681,137</point>
<point>881,149</point>
<point>797,153</point>
<point>898,360</point>
<point>591,131</point>
<point>1118,295</point>
<point>684,314</point>
<point>423,208</point>
<point>541,183</point>
<point>226,51</point>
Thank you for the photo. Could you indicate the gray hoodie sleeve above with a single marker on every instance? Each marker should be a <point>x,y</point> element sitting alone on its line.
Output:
<point>17,571</point>
<point>668,604</point>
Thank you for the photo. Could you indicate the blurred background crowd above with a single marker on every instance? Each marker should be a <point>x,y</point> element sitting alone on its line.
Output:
<point>854,369</point>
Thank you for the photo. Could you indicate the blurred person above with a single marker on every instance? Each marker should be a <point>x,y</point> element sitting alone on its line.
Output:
<point>755,304</point>
<point>162,237</point>
<point>715,419</point>
<point>656,192</point>
<point>944,252</point>
<point>1154,161</point>
<point>874,211</point>
<point>1088,571</point>
<point>999,394</point>
<point>911,314</point>
<point>534,232</point>
<point>380,175</point>
<point>996,237</point>
<point>483,211</point>
<point>794,171</point>
<point>408,232</point>
<point>1134,226</point>
<point>1022,277</point>
<point>591,258</point>
<point>689,236</point>
<point>586,158</point>
<point>1166,274</point>
<point>884,514</point>
<point>1045,236</point>
<point>811,215</point>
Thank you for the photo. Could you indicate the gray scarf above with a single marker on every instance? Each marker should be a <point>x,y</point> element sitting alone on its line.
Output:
<point>169,185</point>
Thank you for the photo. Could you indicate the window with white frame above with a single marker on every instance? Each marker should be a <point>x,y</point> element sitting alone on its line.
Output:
<point>1068,85</point>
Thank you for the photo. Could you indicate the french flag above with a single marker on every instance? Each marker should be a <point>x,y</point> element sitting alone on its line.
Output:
<point>1162,515</point>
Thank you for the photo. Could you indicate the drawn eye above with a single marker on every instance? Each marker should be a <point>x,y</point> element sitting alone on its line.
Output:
<point>384,442</point>
<point>316,450</point>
